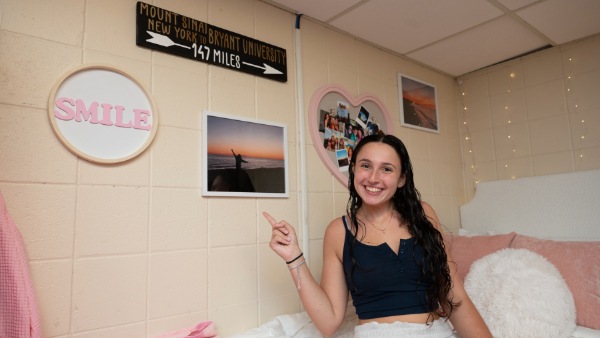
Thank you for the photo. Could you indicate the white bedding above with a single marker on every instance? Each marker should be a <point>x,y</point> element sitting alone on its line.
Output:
<point>299,325</point>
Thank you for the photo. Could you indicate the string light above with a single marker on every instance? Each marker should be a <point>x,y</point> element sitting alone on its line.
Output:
<point>573,110</point>
<point>508,97</point>
<point>468,138</point>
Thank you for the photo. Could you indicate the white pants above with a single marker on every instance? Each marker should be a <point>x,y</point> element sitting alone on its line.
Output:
<point>440,328</point>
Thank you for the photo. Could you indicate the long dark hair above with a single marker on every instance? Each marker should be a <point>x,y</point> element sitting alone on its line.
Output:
<point>407,202</point>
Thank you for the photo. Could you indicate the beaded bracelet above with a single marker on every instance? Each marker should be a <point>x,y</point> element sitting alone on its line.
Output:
<point>297,267</point>
<point>295,259</point>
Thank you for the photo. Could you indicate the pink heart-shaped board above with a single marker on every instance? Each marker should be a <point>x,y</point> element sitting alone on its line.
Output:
<point>338,120</point>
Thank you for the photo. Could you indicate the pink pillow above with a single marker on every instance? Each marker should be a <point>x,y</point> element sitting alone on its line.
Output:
<point>579,265</point>
<point>464,250</point>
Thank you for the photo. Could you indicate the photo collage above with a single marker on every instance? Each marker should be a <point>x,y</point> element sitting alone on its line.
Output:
<point>342,129</point>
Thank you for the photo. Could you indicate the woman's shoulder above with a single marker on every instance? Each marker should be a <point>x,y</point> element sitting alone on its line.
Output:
<point>335,228</point>
<point>430,213</point>
<point>336,224</point>
<point>334,236</point>
<point>426,207</point>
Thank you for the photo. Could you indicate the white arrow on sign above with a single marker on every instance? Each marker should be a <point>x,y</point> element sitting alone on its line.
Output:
<point>163,40</point>
<point>268,69</point>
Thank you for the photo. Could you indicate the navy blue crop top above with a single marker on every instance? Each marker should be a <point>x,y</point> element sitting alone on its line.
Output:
<point>382,283</point>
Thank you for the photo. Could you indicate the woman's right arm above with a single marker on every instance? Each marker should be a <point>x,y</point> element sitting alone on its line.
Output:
<point>325,303</point>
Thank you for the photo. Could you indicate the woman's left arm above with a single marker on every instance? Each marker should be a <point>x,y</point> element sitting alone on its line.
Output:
<point>465,318</point>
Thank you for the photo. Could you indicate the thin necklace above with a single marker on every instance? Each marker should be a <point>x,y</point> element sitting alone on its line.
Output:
<point>380,226</point>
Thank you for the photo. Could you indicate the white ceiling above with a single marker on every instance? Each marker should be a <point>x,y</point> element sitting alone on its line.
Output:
<point>456,37</point>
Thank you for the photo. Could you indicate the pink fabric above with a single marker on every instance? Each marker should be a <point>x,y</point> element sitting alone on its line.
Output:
<point>19,316</point>
<point>202,330</point>
<point>464,250</point>
<point>579,265</point>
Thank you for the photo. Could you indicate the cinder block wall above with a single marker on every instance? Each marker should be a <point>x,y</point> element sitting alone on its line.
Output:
<point>134,250</point>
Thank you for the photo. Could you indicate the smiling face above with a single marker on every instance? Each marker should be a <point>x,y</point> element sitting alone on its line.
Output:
<point>377,173</point>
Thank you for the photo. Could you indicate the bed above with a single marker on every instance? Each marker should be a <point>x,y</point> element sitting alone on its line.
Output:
<point>556,217</point>
<point>528,252</point>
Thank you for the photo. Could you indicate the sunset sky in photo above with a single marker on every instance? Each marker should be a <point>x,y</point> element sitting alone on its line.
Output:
<point>418,93</point>
<point>251,139</point>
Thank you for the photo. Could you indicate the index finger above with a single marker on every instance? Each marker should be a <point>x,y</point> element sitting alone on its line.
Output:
<point>269,218</point>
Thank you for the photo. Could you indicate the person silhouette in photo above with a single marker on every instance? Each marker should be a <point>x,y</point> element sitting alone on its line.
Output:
<point>238,160</point>
<point>236,179</point>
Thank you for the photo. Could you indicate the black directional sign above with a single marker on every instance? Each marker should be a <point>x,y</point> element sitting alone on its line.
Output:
<point>172,33</point>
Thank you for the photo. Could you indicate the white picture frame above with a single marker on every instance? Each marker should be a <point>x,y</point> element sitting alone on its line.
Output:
<point>418,104</point>
<point>243,157</point>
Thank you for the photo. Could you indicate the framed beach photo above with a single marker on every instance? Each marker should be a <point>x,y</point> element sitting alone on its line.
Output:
<point>243,157</point>
<point>418,104</point>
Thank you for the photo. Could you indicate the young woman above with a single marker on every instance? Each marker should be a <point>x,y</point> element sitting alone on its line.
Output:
<point>387,252</point>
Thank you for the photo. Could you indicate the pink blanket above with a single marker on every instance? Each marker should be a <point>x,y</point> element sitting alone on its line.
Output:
<point>19,316</point>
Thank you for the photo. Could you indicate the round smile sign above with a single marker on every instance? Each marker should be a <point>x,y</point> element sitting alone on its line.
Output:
<point>102,114</point>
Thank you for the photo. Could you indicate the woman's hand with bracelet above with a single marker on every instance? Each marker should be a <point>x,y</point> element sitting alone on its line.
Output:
<point>284,240</point>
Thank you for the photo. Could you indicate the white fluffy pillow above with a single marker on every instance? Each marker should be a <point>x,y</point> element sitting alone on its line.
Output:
<point>519,293</point>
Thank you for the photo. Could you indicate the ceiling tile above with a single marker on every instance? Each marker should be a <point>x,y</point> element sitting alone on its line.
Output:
<point>409,25</point>
<point>482,46</point>
<point>318,9</point>
<point>515,4</point>
<point>456,36</point>
<point>563,21</point>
